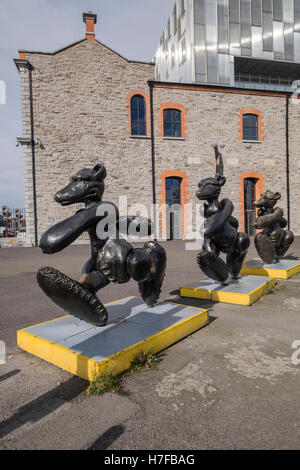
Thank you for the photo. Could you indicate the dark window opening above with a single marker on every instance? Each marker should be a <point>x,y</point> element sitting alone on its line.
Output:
<point>249,207</point>
<point>250,127</point>
<point>172,123</point>
<point>174,211</point>
<point>173,193</point>
<point>138,115</point>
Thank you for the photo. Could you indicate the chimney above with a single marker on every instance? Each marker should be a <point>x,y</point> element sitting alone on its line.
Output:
<point>90,19</point>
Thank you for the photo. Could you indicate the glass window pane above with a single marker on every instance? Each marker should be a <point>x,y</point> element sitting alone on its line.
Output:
<point>172,123</point>
<point>134,128</point>
<point>168,115</point>
<point>250,127</point>
<point>168,129</point>
<point>138,115</point>
<point>177,115</point>
<point>177,130</point>
<point>142,128</point>
<point>134,114</point>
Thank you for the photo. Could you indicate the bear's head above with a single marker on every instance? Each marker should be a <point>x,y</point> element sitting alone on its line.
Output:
<point>85,186</point>
<point>268,200</point>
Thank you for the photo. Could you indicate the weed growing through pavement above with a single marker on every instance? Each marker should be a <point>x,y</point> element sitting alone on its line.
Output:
<point>107,381</point>
<point>274,289</point>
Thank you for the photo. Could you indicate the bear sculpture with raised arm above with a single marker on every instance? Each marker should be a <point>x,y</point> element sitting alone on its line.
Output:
<point>112,259</point>
<point>220,230</point>
<point>273,242</point>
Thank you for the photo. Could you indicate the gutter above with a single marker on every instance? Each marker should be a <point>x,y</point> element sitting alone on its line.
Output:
<point>26,64</point>
<point>150,84</point>
<point>288,161</point>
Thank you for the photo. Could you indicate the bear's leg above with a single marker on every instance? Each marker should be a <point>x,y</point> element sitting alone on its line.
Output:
<point>73,297</point>
<point>265,248</point>
<point>211,264</point>
<point>285,243</point>
<point>236,259</point>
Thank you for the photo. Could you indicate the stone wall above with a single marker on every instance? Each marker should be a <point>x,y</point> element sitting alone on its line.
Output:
<point>81,99</point>
<point>215,117</point>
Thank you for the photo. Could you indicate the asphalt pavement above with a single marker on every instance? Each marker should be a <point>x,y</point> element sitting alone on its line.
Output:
<point>231,385</point>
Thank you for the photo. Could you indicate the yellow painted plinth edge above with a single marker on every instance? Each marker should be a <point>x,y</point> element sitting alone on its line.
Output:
<point>277,273</point>
<point>228,297</point>
<point>86,368</point>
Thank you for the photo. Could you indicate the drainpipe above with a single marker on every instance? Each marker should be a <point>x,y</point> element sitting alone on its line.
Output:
<point>150,84</point>
<point>23,63</point>
<point>288,162</point>
<point>30,68</point>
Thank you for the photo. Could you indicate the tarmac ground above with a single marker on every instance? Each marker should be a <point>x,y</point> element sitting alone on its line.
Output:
<point>230,385</point>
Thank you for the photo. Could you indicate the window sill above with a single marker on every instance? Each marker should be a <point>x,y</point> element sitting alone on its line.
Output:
<point>140,137</point>
<point>252,141</point>
<point>173,138</point>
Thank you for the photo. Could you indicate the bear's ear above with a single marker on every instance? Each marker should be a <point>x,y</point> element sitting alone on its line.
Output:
<point>221,180</point>
<point>277,196</point>
<point>99,172</point>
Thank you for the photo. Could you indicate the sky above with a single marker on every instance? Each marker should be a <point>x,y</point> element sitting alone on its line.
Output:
<point>131,27</point>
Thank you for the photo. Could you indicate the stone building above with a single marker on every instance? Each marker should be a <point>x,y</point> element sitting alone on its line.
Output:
<point>86,103</point>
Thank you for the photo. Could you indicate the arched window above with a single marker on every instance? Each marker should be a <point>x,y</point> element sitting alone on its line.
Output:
<point>172,123</point>
<point>138,115</point>
<point>250,127</point>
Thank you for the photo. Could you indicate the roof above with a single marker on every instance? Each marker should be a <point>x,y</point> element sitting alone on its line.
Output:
<point>80,41</point>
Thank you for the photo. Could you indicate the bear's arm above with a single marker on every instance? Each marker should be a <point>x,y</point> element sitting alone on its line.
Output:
<point>269,219</point>
<point>216,222</point>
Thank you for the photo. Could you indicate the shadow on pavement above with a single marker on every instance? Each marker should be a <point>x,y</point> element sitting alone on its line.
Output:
<point>9,375</point>
<point>106,439</point>
<point>43,405</point>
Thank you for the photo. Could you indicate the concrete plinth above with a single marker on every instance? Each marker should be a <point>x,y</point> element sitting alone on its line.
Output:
<point>285,269</point>
<point>244,291</point>
<point>83,350</point>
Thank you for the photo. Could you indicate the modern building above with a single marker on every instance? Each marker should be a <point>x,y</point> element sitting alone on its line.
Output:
<point>86,103</point>
<point>242,43</point>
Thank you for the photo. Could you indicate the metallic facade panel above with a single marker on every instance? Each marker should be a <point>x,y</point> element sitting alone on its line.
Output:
<point>223,39</point>
<point>234,11</point>
<point>297,47</point>
<point>216,32</point>
<point>224,70</point>
<point>211,40</point>
<point>267,6</point>
<point>257,41</point>
<point>199,12</point>
<point>234,35</point>
<point>267,31</point>
<point>278,39</point>
<point>245,13</point>
<point>297,14</point>
<point>277,10</point>
<point>256,12</point>
<point>289,41</point>
<point>200,51</point>
<point>288,11</point>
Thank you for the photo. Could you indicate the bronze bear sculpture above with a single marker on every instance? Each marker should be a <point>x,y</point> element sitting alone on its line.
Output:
<point>273,242</point>
<point>112,259</point>
<point>220,230</point>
